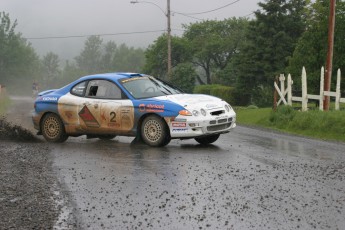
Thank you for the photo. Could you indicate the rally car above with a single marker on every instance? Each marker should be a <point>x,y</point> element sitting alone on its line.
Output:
<point>130,104</point>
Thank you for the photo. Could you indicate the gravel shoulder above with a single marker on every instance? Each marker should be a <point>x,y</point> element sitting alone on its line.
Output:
<point>29,187</point>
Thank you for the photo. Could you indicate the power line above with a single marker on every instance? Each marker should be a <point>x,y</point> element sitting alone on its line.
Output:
<point>209,11</point>
<point>81,36</point>
<point>129,33</point>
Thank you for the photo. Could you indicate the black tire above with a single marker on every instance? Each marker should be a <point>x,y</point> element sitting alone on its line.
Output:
<point>53,129</point>
<point>107,137</point>
<point>207,139</point>
<point>154,131</point>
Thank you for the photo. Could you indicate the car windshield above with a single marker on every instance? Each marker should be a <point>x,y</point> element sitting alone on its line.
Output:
<point>145,87</point>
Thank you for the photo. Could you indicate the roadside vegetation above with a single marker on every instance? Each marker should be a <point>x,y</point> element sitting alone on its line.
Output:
<point>4,104</point>
<point>313,123</point>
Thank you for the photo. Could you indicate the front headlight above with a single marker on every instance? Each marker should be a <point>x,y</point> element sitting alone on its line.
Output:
<point>196,113</point>
<point>203,112</point>
<point>227,107</point>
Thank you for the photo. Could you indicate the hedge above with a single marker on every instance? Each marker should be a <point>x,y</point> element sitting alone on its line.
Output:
<point>224,92</point>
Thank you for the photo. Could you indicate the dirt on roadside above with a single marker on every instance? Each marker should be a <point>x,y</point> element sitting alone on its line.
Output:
<point>27,180</point>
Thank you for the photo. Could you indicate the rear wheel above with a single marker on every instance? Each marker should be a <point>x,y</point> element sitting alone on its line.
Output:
<point>154,131</point>
<point>53,129</point>
<point>207,139</point>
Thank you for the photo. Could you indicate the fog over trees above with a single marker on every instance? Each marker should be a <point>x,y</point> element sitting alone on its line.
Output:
<point>283,36</point>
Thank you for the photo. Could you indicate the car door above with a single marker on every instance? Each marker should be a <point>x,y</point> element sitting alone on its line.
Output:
<point>90,106</point>
<point>116,112</point>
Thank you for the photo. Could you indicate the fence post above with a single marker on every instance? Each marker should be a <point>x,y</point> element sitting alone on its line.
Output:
<point>337,92</point>
<point>289,90</point>
<point>304,90</point>
<point>275,95</point>
<point>322,90</point>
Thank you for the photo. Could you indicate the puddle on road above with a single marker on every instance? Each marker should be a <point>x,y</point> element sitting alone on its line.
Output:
<point>278,145</point>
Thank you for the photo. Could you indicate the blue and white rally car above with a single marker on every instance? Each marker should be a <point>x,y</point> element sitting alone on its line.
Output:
<point>130,104</point>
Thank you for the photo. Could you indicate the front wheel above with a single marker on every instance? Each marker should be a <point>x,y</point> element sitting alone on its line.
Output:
<point>154,131</point>
<point>207,139</point>
<point>53,129</point>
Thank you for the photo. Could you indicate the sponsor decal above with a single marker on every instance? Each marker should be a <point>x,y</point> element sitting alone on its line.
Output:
<point>179,120</point>
<point>151,108</point>
<point>88,118</point>
<point>113,125</point>
<point>49,98</point>
<point>126,121</point>
<point>179,130</point>
<point>133,79</point>
<point>178,124</point>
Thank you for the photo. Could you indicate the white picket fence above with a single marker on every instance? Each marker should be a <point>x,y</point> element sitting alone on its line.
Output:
<point>287,92</point>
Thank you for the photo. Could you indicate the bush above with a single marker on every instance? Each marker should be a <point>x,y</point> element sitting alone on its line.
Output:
<point>282,116</point>
<point>203,89</point>
<point>252,107</point>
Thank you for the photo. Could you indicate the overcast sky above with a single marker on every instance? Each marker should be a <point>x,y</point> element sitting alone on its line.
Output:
<point>56,18</point>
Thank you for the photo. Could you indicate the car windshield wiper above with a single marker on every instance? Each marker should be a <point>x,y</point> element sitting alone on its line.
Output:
<point>159,85</point>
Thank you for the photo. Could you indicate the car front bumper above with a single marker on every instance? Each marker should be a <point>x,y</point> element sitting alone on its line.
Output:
<point>194,127</point>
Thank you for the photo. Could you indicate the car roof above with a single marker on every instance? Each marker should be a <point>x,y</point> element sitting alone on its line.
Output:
<point>112,76</point>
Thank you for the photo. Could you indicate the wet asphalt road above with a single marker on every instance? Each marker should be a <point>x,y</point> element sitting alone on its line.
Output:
<point>249,179</point>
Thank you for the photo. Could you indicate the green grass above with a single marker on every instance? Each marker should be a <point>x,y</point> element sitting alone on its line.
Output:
<point>4,103</point>
<point>252,116</point>
<point>322,125</point>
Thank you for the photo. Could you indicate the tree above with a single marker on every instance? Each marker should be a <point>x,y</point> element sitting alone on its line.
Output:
<point>214,43</point>
<point>184,76</point>
<point>108,56</point>
<point>311,49</point>
<point>128,59</point>
<point>19,63</point>
<point>70,73</point>
<point>50,68</point>
<point>270,41</point>
<point>89,59</point>
<point>156,55</point>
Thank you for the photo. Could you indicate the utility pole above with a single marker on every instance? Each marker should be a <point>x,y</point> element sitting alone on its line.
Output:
<point>328,75</point>
<point>169,40</point>
<point>167,14</point>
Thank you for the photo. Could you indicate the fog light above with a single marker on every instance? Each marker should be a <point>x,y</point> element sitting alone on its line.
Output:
<point>192,124</point>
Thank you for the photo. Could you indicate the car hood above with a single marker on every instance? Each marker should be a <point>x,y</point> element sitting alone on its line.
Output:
<point>191,101</point>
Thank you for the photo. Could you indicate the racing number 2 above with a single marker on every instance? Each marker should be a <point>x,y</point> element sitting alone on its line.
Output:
<point>112,117</point>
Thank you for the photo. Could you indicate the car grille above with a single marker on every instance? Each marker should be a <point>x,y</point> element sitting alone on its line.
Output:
<point>214,128</point>
<point>220,121</point>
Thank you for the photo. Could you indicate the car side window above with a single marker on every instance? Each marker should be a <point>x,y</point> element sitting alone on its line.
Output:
<point>103,89</point>
<point>79,89</point>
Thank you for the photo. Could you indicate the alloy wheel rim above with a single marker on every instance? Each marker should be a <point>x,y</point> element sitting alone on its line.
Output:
<point>152,130</point>
<point>52,127</point>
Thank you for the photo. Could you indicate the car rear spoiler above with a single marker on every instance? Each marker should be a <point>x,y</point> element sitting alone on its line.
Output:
<point>46,92</point>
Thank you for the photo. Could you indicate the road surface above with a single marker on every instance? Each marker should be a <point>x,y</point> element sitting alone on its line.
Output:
<point>249,179</point>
